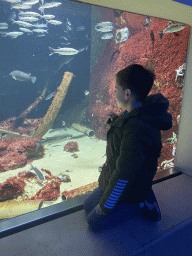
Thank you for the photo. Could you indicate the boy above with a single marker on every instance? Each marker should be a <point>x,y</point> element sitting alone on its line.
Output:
<point>133,148</point>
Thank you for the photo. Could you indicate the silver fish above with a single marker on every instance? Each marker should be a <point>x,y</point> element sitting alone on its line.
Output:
<point>39,30</point>
<point>31,2</point>
<point>13,34</point>
<point>40,25</point>
<point>107,36</point>
<point>21,6</point>
<point>68,22</point>
<point>26,30</point>
<point>29,13</point>
<point>172,28</point>
<point>49,5</point>
<point>106,26</point>
<point>48,17</point>
<point>63,51</point>
<point>54,22</point>
<point>22,23</point>
<point>66,62</point>
<point>86,92</point>
<point>81,28</point>
<point>39,174</point>
<point>52,140</point>
<point>21,76</point>
<point>30,19</point>
<point>50,95</point>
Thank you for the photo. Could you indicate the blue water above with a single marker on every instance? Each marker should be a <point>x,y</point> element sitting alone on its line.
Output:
<point>30,54</point>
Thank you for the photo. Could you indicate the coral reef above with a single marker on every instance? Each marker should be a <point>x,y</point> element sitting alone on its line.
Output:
<point>49,192</point>
<point>15,152</point>
<point>11,188</point>
<point>55,106</point>
<point>71,146</point>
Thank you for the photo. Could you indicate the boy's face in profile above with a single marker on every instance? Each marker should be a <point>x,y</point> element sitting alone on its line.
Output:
<point>122,96</point>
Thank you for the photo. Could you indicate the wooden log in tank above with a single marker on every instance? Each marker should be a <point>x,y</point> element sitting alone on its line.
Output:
<point>54,107</point>
<point>83,129</point>
<point>10,209</point>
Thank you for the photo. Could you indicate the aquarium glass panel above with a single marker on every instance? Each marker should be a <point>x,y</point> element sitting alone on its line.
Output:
<point>57,67</point>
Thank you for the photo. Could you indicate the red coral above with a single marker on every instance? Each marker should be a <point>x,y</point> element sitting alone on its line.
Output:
<point>14,152</point>
<point>49,192</point>
<point>26,175</point>
<point>47,171</point>
<point>11,188</point>
<point>71,147</point>
<point>12,160</point>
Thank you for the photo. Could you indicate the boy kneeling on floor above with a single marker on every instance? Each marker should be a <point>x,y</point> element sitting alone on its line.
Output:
<point>133,148</point>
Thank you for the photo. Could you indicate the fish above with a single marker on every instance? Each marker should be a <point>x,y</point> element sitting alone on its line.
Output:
<point>107,36</point>
<point>57,129</point>
<point>40,204</point>
<point>3,27</point>
<point>29,13</point>
<point>106,26</point>
<point>52,140</point>
<point>81,28</point>
<point>40,25</point>
<point>21,6</point>
<point>68,22</point>
<point>30,19</point>
<point>49,5</point>
<point>3,24</point>
<point>147,19</point>
<point>63,51</point>
<point>21,76</point>
<point>13,34</point>
<point>66,62</point>
<point>152,37</point>
<point>41,35</point>
<point>114,55</point>
<point>86,92</point>
<point>54,22</point>
<point>31,2</point>
<point>39,174</point>
<point>13,1</point>
<point>50,95</point>
<point>172,28</point>
<point>22,23</point>
<point>63,123</point>
<point>26,30</point>
<point>39,30</point>
<point>47,17</point>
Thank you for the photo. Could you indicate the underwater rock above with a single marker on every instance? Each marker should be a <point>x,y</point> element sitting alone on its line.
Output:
<point>14,152</point>
<point>71,147</point>
<point>74,155</point>
<point>49,192</point>
<point>64,178</point>
<point>11,188</point>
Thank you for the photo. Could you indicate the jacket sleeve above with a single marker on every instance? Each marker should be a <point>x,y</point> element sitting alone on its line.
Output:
<point>126,171</point>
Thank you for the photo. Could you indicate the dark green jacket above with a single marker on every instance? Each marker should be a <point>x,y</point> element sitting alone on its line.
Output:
<point>133,148</point>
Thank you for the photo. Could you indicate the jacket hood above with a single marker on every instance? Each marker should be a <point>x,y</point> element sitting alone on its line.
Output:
<point>154,112</point>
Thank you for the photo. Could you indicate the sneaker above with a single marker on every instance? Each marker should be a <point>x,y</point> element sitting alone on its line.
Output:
<point>150,211</point>
<point>150,208</point>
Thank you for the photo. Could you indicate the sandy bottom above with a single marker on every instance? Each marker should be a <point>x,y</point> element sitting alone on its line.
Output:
<point>82,170</point>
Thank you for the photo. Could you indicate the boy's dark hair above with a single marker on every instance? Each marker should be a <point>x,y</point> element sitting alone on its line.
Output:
<point>136,78</point>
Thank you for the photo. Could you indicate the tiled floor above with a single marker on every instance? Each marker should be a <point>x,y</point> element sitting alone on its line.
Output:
<point>70,235</point>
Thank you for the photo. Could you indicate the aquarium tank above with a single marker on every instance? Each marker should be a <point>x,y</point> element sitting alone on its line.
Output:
<point>57,67</point>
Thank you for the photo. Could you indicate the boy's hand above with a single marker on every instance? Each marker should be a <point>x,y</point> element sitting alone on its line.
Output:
<point>98,210</point>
